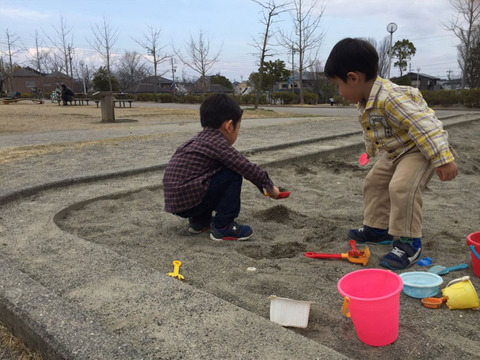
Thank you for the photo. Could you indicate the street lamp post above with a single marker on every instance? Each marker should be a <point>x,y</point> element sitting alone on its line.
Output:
<point>391,28</point>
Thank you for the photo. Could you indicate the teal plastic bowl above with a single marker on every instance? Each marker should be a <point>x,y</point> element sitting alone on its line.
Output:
<point>421,284</point>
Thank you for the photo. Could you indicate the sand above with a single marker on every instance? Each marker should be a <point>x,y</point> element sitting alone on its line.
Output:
<point>326,201</point>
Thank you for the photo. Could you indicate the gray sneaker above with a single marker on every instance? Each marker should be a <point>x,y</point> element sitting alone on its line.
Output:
<point>196,228</point>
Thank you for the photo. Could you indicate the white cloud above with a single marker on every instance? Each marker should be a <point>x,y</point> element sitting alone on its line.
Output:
<point>11,13</point>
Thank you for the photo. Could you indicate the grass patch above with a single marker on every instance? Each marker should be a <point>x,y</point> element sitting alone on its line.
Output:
<point>14,348</point>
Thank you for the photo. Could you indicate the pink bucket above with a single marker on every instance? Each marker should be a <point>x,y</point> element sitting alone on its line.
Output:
<point>372,300</point>
<point>473,242</point>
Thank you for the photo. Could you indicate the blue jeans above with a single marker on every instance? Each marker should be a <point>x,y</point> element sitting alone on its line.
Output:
<point>223,196</point>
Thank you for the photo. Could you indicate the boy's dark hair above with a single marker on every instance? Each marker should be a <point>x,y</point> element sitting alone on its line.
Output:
<point>219,108</point>
<point>350,55</point>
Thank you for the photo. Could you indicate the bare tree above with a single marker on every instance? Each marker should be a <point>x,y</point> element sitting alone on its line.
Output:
<point>463,26</point>
<point>472,65</point>
<point>269,11</point>
<point>151,44</point>
<point>63,43</point>
<point>131,69</point>
<point>11,41</point>
<point>382,47</point>
<point>39,59</point>
<point>53,62</point>
<point>198,57</point>
<point>104,39</point>
<point>306,38</point>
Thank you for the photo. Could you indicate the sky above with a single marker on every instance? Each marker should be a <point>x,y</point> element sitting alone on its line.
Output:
<point>231,25</point>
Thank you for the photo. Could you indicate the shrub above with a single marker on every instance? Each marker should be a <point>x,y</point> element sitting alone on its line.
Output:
<point>442,97</point>
<point>145,97</point>
<point>471,98</point>
<point>164,98</point>
<point>467,98</point>
<point>310,98</point>
<point>284,98</point>
<point>404,80</point>
<point>340,100</point>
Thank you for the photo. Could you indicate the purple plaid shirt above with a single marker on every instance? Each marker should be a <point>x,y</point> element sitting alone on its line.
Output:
<point>189,171</point>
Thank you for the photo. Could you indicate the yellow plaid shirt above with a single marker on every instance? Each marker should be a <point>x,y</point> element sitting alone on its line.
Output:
<point>396,118</point>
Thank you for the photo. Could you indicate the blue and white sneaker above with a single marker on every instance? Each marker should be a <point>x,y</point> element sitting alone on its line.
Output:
<point>233,231</point>
<point>403,254</point>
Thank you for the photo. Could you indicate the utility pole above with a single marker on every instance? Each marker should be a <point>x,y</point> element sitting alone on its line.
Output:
<point>173,78</point>
<point>70,51</point>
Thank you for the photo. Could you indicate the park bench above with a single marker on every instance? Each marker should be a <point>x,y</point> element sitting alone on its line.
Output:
<point>60,101</point>
<point>8,101</point>
<point>81,101</point>
<point>15,100</point>
<point>123,102</point>
<point>120,102</point>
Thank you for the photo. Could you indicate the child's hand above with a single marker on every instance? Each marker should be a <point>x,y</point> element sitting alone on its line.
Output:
<point>448,171</point>
<point>278,193</point>
<point>275,193</point>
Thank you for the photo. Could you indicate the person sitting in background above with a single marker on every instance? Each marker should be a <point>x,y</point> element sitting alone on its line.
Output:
<point>67,94</point>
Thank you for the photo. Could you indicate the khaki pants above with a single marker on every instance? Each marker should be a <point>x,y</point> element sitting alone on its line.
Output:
<point>392,193</point>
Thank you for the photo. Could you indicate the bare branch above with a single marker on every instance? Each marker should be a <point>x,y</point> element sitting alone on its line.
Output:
<point>198,56</point>
<point>463,25</point>
<point>104,40</point>
<point>151,44</point>
<point>306,38</point>
<point>11,40</point>
<point>269,12</point>
<point>63,43</point>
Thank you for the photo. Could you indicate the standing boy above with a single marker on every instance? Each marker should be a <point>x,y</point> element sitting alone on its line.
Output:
<point>205,174</point>
<point>397,121</point>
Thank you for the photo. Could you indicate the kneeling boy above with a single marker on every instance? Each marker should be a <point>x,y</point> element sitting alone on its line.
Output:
<point>205,174</point>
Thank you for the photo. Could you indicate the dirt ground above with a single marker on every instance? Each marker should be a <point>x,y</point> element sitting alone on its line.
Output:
<point>326,201</point>
<point>51,117</point>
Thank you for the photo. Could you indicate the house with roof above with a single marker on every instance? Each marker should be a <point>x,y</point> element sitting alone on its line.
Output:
<point>310,80</point>
<point>242,88</point>
<point>164,85</point>
<point>149,86</point>
<point>197,88</point>
<point>451,84</point>
<point>28,80</point>
<point>424,81</point>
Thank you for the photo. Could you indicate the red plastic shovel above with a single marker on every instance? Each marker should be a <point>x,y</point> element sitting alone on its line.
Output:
<point>282,195</point>
<point>363,159</point>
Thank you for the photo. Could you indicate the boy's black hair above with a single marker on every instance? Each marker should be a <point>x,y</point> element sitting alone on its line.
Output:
<point>219,108</point>
<point>350,55</point>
